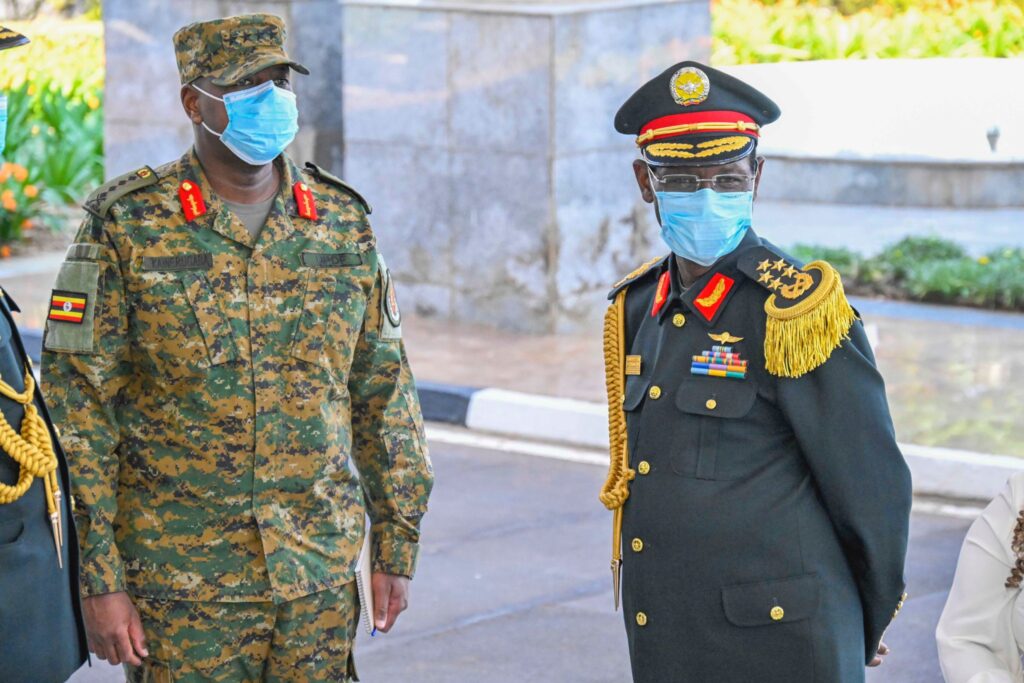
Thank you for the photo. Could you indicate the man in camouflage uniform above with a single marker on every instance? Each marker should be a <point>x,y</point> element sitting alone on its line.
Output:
<point>237,359</point>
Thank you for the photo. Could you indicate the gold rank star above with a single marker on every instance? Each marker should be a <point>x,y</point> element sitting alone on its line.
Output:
<point>779,265</point>
<point>765,278</point>
<point>790,272</point>
<point>775,284</point>
<point>764,265</point>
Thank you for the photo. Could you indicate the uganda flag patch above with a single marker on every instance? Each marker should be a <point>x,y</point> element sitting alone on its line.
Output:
<point>68,307</point>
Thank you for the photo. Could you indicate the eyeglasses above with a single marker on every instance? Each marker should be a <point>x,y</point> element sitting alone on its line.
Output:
<point>727,182</point>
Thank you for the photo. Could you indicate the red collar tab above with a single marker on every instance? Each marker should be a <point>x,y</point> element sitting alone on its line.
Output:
<point>698,122</point>
<point>713,295</point>
<point>661,295</point>
<point>304,201</point>
<point>191,200</point>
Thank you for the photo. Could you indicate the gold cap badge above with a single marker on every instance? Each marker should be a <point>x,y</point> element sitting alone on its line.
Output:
<point>690,86</point>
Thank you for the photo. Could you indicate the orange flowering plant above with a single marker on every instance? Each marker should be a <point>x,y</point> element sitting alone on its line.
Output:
<point>21,205</point>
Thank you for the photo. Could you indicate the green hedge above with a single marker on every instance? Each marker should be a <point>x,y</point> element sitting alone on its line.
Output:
<point>929,269</point>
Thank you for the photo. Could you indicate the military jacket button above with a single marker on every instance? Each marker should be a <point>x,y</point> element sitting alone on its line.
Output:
<point>655,392</point>
<point>679,320</point>
<point>777,613</point>
<point>641,619</point>
<point>638,545</point>
<point>644,467</point>
<point>711,404</point>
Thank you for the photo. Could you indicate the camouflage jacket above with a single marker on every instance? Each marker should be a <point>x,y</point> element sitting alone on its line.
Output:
<point>232,406</point>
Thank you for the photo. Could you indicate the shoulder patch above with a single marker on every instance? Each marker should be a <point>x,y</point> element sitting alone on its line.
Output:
<point>808,313</point>
<point>100,201</point>
<point>332,179</point>
<point>651,266</point>
<point>390,315</point>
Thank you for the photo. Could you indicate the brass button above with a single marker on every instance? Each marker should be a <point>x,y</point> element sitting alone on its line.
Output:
<point>644,467</point>
<point>711,404</point>
<point>638,545</point>
<point>777,613</point>
<point>679,320</point>
<point>655,392</point>
<point>641,619</point>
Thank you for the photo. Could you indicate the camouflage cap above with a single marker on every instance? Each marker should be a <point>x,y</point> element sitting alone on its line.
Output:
<point>230,49</point>
<point>9,38</point>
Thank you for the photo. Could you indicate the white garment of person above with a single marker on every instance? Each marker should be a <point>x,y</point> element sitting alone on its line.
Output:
<point>981,632</point>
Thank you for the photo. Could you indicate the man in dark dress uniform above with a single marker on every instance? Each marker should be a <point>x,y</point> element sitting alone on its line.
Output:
<point>760,500</point>
<point>42,637</point>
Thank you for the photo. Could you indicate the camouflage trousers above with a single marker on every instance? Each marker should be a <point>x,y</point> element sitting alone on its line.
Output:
<point>308,639</point>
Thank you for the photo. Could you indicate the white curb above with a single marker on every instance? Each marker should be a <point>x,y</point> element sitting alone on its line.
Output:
<point>938,472</point>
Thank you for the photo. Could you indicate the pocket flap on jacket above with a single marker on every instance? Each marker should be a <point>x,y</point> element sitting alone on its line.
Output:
<point>716,397</point>
<point>636,389</point>
<point>779,601</point>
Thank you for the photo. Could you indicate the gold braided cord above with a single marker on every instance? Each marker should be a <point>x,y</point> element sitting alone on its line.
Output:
<point>801,337</point>
<point>33,450</point>
<point>616,487</point>
<point>708,126</point>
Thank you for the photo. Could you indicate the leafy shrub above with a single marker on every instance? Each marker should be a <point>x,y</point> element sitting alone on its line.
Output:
<point>752,31</point>
<point>930,269</point>
<point>904,255</point>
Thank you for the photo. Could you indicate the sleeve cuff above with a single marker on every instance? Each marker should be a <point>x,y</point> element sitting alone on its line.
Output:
<point>393,554</point>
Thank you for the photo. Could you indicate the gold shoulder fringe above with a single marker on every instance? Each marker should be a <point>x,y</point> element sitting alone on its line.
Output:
<point>616,487</point>
<point>802,337</point>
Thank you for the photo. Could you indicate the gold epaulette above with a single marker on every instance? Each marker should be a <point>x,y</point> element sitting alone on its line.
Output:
<point>808,313</point>
<point>636,275</point>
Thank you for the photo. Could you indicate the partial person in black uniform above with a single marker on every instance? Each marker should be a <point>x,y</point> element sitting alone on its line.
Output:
<point>760,500</point>
<point>42,635</point>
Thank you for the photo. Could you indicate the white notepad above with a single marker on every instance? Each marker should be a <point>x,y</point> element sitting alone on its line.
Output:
<point>364,582</point>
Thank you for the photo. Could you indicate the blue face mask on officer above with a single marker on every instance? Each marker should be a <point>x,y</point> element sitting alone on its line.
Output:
<point>3,123</point>
<point>704,225</point>
<point>262,122</point>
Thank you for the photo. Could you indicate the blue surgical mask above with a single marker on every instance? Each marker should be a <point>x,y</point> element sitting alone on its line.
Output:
<point>705,225</point>
<point>3,123</point>
<point>262,122</point>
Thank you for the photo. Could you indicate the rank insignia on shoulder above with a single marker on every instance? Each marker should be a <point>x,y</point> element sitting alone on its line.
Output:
<point>719,361</point>
<point>191,200</point>
<point>99,202</point>
<point>808,313</point>
<point>68,307</point>
<point>651,266</point>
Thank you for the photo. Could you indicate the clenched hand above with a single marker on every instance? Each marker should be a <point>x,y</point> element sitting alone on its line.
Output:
<point>114,629</point>
<point>390,598</point>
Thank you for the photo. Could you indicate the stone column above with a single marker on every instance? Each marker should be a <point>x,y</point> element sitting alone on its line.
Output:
<point>482,134</point>
<point>145,123</point>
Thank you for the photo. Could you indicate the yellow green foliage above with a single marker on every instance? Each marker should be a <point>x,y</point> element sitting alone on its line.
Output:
<point>68,53</point>
<point>54,87</point>
<point>753,31</point>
